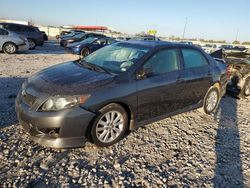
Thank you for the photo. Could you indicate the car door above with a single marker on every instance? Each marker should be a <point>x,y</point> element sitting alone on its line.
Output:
<point>195,76</point>
<point>99,43</point>
<point>3,37</point>
<point>157,88</point>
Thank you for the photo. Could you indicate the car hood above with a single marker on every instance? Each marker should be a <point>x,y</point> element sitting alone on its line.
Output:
<point>68,78</point>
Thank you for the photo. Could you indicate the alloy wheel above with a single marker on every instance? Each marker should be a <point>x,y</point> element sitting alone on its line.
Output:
<point>211,101</point>
<point>110,126</point>
<point>85,52</point>
<point>32,44</point>
<point>10,48</point>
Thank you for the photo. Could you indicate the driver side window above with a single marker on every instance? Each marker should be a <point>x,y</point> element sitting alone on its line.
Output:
<point>163,61</point>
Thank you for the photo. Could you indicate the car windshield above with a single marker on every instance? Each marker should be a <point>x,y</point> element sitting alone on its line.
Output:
<point>80,35</point>
<point>116,58</point>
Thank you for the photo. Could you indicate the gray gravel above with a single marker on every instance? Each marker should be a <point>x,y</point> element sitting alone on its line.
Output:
<point>187,150</point>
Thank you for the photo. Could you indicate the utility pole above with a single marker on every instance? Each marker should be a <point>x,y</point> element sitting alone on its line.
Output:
<point>184,31</point>
<point>237,33</point>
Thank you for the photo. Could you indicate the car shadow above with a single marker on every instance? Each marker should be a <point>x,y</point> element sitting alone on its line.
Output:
<point>9,89</point>
<point>49,47</point>
<point>228,169</point>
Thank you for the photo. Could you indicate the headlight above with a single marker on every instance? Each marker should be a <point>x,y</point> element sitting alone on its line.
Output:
<point>70,40</point>
<point>59,103</point>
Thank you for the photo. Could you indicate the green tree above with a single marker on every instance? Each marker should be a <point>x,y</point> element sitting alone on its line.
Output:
<point>246,43</point>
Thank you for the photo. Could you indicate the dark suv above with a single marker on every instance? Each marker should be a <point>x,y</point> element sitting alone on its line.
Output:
<point>33,34</point>
<point>118,88</point>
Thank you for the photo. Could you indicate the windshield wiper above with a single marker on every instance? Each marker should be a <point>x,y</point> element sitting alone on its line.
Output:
<point>94,67</point>
<point>85,64</point>
<point>99,68</point>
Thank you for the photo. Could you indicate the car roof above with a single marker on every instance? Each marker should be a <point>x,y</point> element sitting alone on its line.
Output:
<point>155,44</point>
<point>5,23</point>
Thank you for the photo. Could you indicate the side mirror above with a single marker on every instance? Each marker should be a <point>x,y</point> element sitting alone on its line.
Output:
<point>144,73</point>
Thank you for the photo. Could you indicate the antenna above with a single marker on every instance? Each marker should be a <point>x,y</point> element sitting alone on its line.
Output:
<point>237,33</point>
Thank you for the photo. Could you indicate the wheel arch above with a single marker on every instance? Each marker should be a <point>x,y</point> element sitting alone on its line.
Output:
<point>34,40</point>
<point>127,108</point>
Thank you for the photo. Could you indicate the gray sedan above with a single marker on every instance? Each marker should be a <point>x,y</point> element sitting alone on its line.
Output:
<point>11,42</point>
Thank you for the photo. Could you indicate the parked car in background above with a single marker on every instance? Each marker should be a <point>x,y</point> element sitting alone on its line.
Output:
<point>71,33</point>
<point>239,72</point>
<point>45,37</point>
<point>89,45</point>
<point>186,42</point>
<point>33,34</point>
<point>11,42</point>
<point>149,37</point>
<point>209,48</point>
<point>123,38</point>
<point>77,38</point>
<point>118,88</point>
<point>239,84</point>
<point>235,51</point>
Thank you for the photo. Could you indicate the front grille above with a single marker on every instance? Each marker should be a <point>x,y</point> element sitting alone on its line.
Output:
<point>28,98</point>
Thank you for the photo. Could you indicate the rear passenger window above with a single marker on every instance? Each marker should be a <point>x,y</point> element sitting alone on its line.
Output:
<point>3,32</point>
<point>163,61</point>
<point>193,58</point>
<point>13,27</point>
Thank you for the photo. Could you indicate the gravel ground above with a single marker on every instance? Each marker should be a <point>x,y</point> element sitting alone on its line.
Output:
<point>187,150</point>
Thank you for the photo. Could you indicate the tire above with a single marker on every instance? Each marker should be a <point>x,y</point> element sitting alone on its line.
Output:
<point>211,100</point>
<point>112,120</point>
<point>85,52</point>
<point>246,88</point>
<point>9,48</point>
<point>32,44</point>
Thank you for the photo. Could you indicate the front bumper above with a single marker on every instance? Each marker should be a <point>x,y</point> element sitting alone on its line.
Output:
<point>73,50</point>
<point>62,129</point>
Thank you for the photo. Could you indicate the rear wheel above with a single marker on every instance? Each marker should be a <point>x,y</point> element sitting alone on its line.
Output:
<point>85,52</point>
<point>211,100</point>
<point>110,125</point>
<point>9,48</point>
<point>32,44</point>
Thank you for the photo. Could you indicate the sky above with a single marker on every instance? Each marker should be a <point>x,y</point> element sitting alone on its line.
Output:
<point>208,19</point>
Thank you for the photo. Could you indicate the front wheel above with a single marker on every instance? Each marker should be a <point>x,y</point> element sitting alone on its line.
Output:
<point>211,100</point>
<point>9,48</point>
<point>110,125</point>
<point>84,52</point>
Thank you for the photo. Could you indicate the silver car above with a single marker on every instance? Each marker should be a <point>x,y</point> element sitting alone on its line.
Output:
<point>11,42</point>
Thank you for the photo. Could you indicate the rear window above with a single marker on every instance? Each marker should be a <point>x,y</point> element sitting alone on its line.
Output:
<point>193,58</point>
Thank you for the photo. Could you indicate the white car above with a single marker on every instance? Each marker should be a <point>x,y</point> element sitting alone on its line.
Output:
<point>209,48</point>
<point>11,42</point>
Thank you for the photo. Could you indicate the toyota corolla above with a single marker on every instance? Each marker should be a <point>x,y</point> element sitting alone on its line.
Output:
<point>116,89</point>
